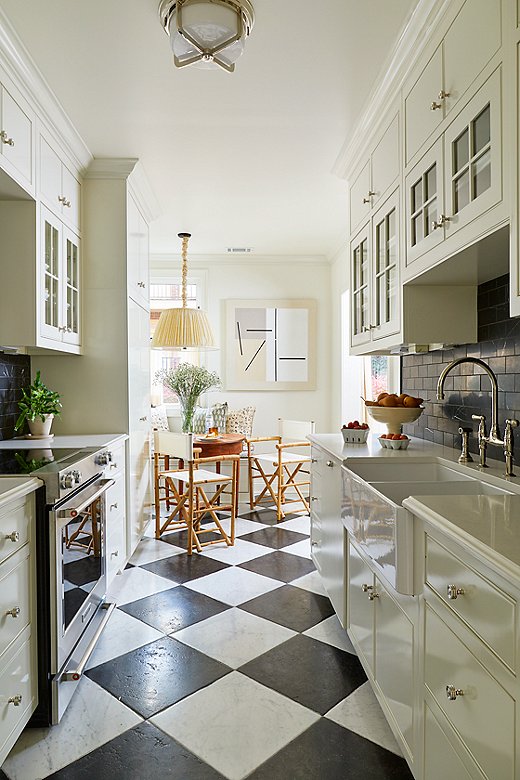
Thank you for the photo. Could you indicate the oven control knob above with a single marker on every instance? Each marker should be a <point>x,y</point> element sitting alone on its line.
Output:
<point>77,476</point>
<point>68,480</point>
<point>104,458</point>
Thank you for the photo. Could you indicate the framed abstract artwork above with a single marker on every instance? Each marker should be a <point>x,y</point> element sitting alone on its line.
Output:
<point>270,344</point>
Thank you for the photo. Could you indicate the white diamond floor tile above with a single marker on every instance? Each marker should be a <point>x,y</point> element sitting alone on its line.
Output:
<point>92,718</point>
<point>134,584</point>
<point>302,549</point>
<point>234,637</point>
<point>235,724</point>
<point>122,634</point>
<point>243,527</point>
<point>331,632</point>
<point>234,586</point>
<point>360,712</point>
<point>240,552</point>
<point>311,581</point>
<point>300,524</point>
<point>151,550</point>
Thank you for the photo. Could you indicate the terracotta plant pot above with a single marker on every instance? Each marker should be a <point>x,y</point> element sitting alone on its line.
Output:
<point>41,427</point>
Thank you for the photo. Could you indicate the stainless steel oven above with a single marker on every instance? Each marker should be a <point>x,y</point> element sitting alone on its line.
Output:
<point>71,565</point>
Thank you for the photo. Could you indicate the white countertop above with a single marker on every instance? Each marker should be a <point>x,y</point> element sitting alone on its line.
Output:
<point>76,440</point>
<point>489,525</point>
<point>12,488</point>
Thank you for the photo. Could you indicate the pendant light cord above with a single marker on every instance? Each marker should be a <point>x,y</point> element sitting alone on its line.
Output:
<point>184,254</point>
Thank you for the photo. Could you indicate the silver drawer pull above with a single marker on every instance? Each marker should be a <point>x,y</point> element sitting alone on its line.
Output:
<point>16,700</point>
<point>141,284</point>
<point>330,464</point>
<point>453,592</point>
<point>115,554</point>
<point>143,419</point>
<point>315,498</point>
<point>365,588</point>
<point>372,596</point>
<point>14,612</point>
<point>434,106</point>
<point>13,537</point>
<point>452,692</point>
<point>113,506</point>
<point>5,139</point>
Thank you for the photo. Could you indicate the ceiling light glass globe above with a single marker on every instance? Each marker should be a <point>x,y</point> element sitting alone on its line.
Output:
<point>209,25</point>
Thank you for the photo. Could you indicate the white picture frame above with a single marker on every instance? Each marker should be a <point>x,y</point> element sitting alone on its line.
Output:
<point>270,344</point>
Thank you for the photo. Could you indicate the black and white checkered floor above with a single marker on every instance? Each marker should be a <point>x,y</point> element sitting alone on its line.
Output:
<point>229,664</point>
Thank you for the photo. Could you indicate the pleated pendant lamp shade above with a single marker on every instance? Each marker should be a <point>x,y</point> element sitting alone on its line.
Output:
<point>183,328</point>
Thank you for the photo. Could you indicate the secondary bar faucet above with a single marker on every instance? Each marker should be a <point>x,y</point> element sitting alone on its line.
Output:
<point>494,433</point>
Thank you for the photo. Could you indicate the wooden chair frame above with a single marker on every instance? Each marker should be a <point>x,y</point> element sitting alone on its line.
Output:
<point>283,478</point>
<point>189,501</point>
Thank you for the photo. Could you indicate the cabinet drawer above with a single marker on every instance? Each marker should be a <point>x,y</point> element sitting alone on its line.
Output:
<point>487,610</point>
<point>115,498</point>
<point>116,549</point>
<point>117,464</point>
<point>440,758</point>
<point>15,583</point>
<point>17,679</point>
<point>15,529</point>
<point>484,714</point>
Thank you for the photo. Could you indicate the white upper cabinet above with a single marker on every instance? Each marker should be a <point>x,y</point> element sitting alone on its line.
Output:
<point>16,137</point>
<point>458,180</point>
<point>138,256</point>
<point>59,188</point>
<point>468,45</point>
<point>376,177</point>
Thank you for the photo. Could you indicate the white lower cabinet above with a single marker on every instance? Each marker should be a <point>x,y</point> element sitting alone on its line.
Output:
<point>18,650</point>
<point>382,627</point>
<point>327,533</point>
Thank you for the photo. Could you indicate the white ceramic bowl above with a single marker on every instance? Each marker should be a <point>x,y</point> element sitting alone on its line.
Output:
<point>355,435</point>
<point>394,444</point>
<point>394,416</point>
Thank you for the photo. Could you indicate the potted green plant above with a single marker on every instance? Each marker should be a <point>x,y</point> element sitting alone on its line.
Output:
<point>39,406</point>
<point>188,382</point>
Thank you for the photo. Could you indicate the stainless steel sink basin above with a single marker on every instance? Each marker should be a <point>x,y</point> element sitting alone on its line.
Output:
<point>384,470</point>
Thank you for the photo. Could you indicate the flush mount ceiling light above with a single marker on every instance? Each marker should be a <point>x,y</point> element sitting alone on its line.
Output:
<point>183,328</point>
<point>208,33</point>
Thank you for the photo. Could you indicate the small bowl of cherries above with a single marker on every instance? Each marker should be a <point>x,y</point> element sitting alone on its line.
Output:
<point>394,441</point>
<point>355,432</point>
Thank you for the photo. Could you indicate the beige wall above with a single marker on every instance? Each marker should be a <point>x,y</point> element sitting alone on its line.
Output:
<point>247,278</point>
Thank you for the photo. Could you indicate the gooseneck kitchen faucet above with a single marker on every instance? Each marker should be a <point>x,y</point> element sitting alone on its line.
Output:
<point>494,433</point>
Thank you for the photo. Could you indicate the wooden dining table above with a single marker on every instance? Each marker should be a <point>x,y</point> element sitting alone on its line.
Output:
<point>224,444</point>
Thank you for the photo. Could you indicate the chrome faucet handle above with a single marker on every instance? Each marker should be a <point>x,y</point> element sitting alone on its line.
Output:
<point>465,457</point>
<point>508,446</point>
<point>482,438</point>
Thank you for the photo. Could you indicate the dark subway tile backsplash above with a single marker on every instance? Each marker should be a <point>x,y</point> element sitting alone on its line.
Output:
<point>15,373</point>
<point>467,389</point>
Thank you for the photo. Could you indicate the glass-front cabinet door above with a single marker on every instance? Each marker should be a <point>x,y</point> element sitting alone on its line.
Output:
<point>360,288</point>
<point>425,217</point>
<point>51,280</point>
<point>472,143</point>
<point>60,281</point>
<point>71,292</point>
<point>386,308</point>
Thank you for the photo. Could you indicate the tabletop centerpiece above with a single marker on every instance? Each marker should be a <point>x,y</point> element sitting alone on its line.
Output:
<point>188,382</point>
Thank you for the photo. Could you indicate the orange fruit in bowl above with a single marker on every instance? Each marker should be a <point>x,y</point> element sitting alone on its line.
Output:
<point>381,396</point>
<point>412,403</point>
<point>389,401</point>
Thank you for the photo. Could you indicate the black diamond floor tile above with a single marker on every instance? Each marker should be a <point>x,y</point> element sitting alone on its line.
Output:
<point>180,538</point>
<point>174,609</point>
<point>157,675</point>
<point>279,565</point>
<point>327,751</point>
<point>82,571</point>
<point>144,751</point>
<point>275,537</point>
<point>291,607</point>
<point>266,516</point>
<point>314,674</point>
<point>184,568</point>
<point>3,776</point>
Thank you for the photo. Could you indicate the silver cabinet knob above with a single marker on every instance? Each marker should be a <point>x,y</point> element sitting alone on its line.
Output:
<point>143,419</point>
<point>115,554</point>
<point>141,284</point>
<point>372,596</point>
<point>366,588</point>
<point>14,612</point>
<point>368,196</point>
<point>443,219</point>
<point>5,139</point>
<point>330,464</point>
<point>453,592</point>
<point>434,106</point>
<point>113,506</point>
<point>14,536</point>
<point>452,692</point>
<point>16,700</point>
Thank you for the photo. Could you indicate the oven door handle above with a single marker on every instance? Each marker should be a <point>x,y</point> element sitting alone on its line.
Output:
<point>70,512</point>
<point>73,675</point>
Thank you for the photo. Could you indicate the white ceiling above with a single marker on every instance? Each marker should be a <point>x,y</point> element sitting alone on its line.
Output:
<point>240,159</point>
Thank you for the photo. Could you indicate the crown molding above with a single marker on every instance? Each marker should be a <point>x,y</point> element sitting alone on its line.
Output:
<point>111,167</point>
<point>159,259</point>
<point>18,64</point>
<point>127,169</point>
<point>414,38</point>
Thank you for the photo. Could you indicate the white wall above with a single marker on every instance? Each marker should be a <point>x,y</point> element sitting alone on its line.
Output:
<point>248,278</point>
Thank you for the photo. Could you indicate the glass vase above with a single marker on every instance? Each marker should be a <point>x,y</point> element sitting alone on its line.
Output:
<point>187,413</point>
